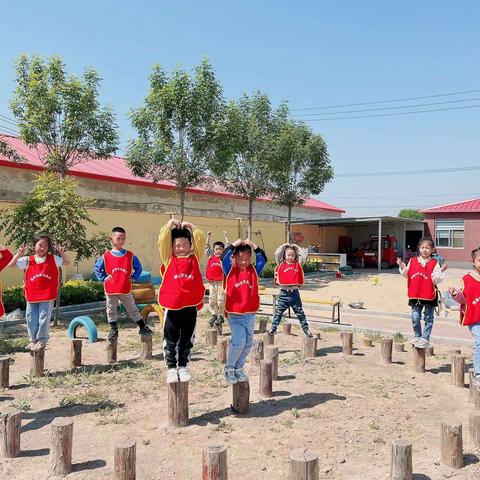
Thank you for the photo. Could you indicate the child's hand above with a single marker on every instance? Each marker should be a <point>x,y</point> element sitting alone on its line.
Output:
<point>108,277</point>
<point>209,234</point>
<point>401,264</point>
<point>444,267</point>
<point>21,250</point>
<point>250,244</point>
<point>224,233</point>
<point>452,291</point>
<point>187,225</point>
<point>59,248</point>
<point>237,243</point>
<point>173,223</point>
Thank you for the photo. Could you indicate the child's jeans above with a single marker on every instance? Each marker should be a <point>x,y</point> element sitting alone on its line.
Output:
<point>475,331</point>
<point>216,298</point>
<point>242,327</point>
<point>417,320</point>
<point>38,320</point>
<point>289,298</point>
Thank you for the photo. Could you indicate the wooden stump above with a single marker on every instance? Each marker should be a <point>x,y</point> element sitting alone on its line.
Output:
<point>347,342</point>
<point>367,342</point>
<point>475,391</point>
<point>399,347</point>
<point>318,335</point>
<point>222,348</point>
<point>266,371</point>
<point>241,397</point>
<point>271,353</point>
<point>262,326</point>
<point>418,359</point>
<point>303,465</point>
<point>214,463</point>
<point>37,362</point>
<point>471,381</point>
<point>178,404</point>
<point>309,347</point>
<point>401,465</point>
<point>4,372</point>
<point>386,351</point>
<point>146,342</point>
<point>112,349</point>
<point>124,460</point>
<point>257,352</point>
<point>75,353</point>
<point>219,328</point>
<point>452,444</point>
<point>211,336</point>
<point>10,427</point>
<point>287,328</point>
<point>458,371</point>
<point>268,339</point>
<point>61,449</point>
<point>474,428</point>
<point>429,351</point>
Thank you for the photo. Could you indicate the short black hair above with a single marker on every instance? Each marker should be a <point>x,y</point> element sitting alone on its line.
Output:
<point>475,253</point>
<point>426,240</point>
<point>219,244</point>
<point>242,248</point>
<point>181,233</point>
<point>118,230</point>
<point>41,236</point>
<point>291,248</point>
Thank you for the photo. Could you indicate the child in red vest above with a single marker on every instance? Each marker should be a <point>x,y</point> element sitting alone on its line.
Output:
<point>423,274</point>
<point>181,293</point>
<point>5,257</point>
<point>40,287</point>
<point>214,275</point>
<point>118,269</point>
<point>241,303</point>
<point>469,298</point>
<point>290,259</point>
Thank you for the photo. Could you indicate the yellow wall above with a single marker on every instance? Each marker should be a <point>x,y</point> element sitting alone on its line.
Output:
<point>325,237</point>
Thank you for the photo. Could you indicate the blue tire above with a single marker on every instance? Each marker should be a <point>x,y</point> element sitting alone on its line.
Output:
<point>85,322</point>
<point>145,277</point>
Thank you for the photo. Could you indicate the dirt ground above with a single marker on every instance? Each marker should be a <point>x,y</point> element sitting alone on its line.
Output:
<point>346,409</point>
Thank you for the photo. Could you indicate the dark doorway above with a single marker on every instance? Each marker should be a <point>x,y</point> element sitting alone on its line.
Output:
<point>412,238</point>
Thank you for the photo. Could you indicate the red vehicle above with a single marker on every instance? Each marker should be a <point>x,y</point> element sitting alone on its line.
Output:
<point>367,253</point>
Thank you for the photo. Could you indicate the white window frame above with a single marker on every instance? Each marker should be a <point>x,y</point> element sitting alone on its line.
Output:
<point>449,225</point>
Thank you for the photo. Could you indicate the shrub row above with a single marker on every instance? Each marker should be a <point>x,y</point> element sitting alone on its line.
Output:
<point>269,269</point>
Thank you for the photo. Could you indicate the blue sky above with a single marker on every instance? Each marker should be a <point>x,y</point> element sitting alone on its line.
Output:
<point>310,53</point>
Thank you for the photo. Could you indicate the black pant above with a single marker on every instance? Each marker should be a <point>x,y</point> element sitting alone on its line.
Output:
<point>179,335</point>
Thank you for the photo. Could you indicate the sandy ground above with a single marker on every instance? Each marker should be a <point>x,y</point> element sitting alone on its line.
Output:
<point>346,409</point>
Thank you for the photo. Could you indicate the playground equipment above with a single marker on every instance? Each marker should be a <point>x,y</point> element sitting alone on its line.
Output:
<point>85,322</point>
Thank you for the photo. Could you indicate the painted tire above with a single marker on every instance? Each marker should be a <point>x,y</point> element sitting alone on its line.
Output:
<point>85,322</point>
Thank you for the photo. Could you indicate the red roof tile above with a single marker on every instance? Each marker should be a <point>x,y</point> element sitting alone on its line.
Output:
<point>466,206</point>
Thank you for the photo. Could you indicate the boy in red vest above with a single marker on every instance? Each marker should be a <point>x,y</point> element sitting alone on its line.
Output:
<point>290,259</point>
<point>214,275</point>
<point>423,274</point>
<point>117,269</point>
<point>468,296</point>
<point>181,247</point>
<point>241,303</point>
<point>5,258</point>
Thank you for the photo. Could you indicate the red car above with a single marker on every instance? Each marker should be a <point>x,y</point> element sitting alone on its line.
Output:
<point>367,253</point>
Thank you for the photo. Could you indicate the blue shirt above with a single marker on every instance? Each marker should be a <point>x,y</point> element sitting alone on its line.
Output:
<point>227,260</point>
<point>100,266</point>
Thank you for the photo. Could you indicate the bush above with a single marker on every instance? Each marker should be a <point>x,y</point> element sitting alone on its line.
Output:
<point>269,269</point>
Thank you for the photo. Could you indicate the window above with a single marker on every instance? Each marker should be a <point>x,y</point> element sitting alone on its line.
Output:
<point>449,233</point>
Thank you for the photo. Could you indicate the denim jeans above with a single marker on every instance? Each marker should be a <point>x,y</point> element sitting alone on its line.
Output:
<point>242,327</point>
<point>475,331</point>
<point>38,320</point>
<point>289,298</point>
<point>417,320</point>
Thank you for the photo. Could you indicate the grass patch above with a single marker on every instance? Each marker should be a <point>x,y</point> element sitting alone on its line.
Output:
<point>13,344</point>
<point>23,405</point>
<point>223,427</point>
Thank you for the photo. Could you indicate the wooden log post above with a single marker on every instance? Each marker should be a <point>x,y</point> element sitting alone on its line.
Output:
<point>471,381</point>
<point>347,342</point>
<point>146,342</point>
<point>475,391</point>
<point>271,353</point>
<point>112,350</point>
<point>309,347</point>
<point>386,351</point>
<point>37,363</point>
<point>75,353</point>
<point>418,359</point>
<point>318,335</point>
<point>474,428</point>
<point>222,348</point>
<point>399,347</point>
<point>262,326</point>
<point>452,444</point>
<point>257,352</point>
<point>10,427</point>
<point>61,449</point>
<point>367,342</point>
<point>4,372</point>
<point>303,465</point>
<point>287,328</point>
<point>178,404</point>
<point>211,336</point>
<point>268,339</point>
<point>219,328</point>
<point>124,460</point>
<point>214,463</point>
<point>401,464</point>
<point>429,351</point>
<point>241,397</point>
<point>266,371</point>
<point>458,371</point>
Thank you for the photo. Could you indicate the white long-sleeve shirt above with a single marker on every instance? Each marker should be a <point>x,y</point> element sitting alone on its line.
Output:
<point>437,275</point>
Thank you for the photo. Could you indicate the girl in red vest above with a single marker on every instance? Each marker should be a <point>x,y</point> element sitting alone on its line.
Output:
<point>469,298</point>
<point>40,287</point>
<point>181,247</point>
<point>5,257</point>
<point>290,259</point>
<point>423,274</point>
<point>241,303</point>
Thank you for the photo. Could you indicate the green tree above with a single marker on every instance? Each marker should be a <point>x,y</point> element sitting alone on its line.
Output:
<point>300,166</point>
<point>246,143</point>
<point>7,151</point>
<point>176,128</point>
<point>62,114</point>
<point>411,213</point>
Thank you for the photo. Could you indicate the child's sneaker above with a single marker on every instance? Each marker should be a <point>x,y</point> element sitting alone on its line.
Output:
<point>39,346</point>
<point>30,346</point>
<point>414,340</point>
<point>212,320</point>
<point>422,343</point>
<point>307,333</point>
<point>113,333</point>
<point>241,375</point>
<point>172,375</point>
<point>219,320</point>
<point>183,374</point>
<point>229,375</point>
<point>145,331</point>
<point>272,331</point>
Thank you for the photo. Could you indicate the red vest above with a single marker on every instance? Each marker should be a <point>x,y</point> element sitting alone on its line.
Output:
<point>120,268</point>
<point>470,311</point>
<point>214,270</point>
<point>182,284</point>
<point>4,261</point>
<point>287,274</point>
<point>241,286</point>
<point>41,280</point>
<point>420,284</point>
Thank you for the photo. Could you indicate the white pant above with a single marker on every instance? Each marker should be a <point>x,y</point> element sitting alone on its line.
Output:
<point>216,298</point>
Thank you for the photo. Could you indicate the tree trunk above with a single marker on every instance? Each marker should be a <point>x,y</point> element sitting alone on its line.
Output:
<point>289,224</point>
<point>56,315</point>
<point>250,218</point>
<point>182,202</point>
